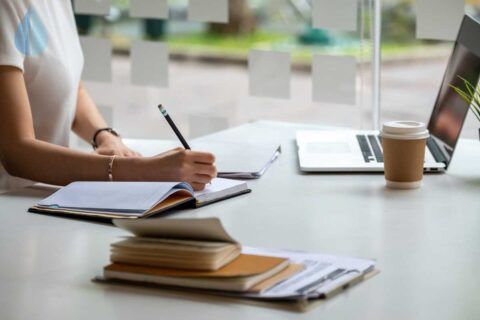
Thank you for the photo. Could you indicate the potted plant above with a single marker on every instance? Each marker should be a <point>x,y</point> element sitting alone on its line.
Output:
<point>471,95</point>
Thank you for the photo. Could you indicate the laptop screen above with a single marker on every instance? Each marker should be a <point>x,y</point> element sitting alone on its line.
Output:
<point>451,109</point>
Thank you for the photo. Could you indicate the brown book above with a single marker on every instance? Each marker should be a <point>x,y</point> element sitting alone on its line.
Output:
<point>193,244</point>
<point>240,275</point>
<point>171,253</point>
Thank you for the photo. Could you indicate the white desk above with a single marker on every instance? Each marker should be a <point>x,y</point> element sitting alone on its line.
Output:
<point>427,243</point>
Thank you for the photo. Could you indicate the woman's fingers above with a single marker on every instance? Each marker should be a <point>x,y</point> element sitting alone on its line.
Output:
<point>201,178</point>
<point>196,168</point>
<point>198,186</point>
<point>205,169</point>
<point>202,157</point>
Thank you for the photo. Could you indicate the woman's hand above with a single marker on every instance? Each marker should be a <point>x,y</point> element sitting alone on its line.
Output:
<point>109,145</point>
<point>196,168</point>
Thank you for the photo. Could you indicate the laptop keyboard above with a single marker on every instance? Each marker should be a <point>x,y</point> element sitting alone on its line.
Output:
<point>370,146</point>
<point>377,151</point>
<point>372,150</point>
<point>435,151</point>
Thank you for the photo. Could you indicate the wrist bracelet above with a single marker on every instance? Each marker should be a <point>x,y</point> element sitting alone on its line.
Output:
<point>94,139</point>
<point>110,168</point>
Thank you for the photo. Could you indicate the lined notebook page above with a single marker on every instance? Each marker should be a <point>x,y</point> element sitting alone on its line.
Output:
<point>118,196</point>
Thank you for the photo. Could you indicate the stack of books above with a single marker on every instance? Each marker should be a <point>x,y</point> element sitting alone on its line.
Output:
<point>184,257</point>
<point>199,255</point>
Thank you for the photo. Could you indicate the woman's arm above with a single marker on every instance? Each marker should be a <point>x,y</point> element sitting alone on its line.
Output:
<point>24,156</point>
<point>88,120</point>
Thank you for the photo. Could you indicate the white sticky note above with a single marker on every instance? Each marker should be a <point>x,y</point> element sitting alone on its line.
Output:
<point>107,114</point>
<point>439,19</point>
<point>149,63</point>
<point>97,54</point>
<point>334,79</point>
<point>201,125</point>
<point>96,7</point>
<point>335,14</point>
<point>208,11</point>
<point>269,73</point>
<point>149,9</point>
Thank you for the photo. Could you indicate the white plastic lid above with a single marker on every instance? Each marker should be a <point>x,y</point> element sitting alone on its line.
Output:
<point>404,130</point>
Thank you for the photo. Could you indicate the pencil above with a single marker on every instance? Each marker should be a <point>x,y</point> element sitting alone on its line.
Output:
<point>174,127</point>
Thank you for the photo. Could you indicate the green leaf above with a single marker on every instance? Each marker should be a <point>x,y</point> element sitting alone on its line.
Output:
<point>472,97</point>
<point>462,94</point>
<point>471,89</point>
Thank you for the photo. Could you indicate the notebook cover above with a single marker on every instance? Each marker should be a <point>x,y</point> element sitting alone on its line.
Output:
<point>244,266</point>
<point>233,195</point>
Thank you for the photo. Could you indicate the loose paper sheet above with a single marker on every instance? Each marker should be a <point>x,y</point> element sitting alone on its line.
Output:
<point>439,19</point>
<point>149,63</point>
<point>98,59</point>
<point>315,278</point>
<point>201,125</point>
<point>96,7</point>
<point>208,11</point>
<point>149,9</point>
<point>334,79</point>
<point>198,229</point>
<point>269,74</point>
<point>335,14</point>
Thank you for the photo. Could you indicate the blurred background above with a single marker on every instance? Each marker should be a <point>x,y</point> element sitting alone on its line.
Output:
<point>208,69</point>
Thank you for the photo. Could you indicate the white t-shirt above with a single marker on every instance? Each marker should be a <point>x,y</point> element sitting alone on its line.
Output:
<point>40,38</point>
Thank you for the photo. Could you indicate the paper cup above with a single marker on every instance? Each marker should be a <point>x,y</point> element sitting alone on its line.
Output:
<point>404,145</point>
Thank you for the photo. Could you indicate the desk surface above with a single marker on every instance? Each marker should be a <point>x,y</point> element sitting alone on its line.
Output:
<point>426,241</point>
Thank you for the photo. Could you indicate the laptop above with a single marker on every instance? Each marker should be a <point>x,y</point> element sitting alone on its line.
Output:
<point>361,151</point>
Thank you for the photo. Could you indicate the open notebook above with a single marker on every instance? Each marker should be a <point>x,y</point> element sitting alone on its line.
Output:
<point>108,200</point>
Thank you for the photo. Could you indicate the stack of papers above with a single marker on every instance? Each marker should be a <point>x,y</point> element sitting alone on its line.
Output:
<point>322,276</point>
<point>260,274</point>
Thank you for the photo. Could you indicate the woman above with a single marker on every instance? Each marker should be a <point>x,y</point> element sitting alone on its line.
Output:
<point>42,99</point>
